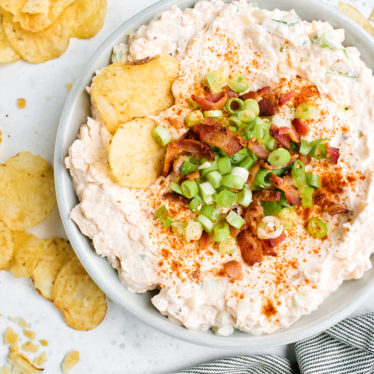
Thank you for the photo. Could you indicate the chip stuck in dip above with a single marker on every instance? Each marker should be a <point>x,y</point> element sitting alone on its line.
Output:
<point>233,170</point>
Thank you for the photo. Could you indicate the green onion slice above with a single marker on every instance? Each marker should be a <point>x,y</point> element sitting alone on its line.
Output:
<point>189,189</point>
<point>252,105</point>
<point>214,178</point>
<point>307,197</point>
<point>205,222</point>
<point>235,220</point>
<point>234,105</point>
<point>161,135</point>
<point>221,232</point>
<point>238,84</point>
<point>279,157</point>
<point>162,213</point>
<point>235,182</point>
<point>244,197</point>
<point>194,118</point>
<point>305,110</point>
<point>317,228</point>
<point>224,165</point>
<point>211,212</point>
<point>226,198</point>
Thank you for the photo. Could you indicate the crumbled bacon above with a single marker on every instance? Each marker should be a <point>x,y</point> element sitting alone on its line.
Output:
<point>194,175</point>
<point>253,215</point>
<point>219,136</point>
<point>321,199</point>
<point>252,173</point>
<point>256,95</point>
<point>258,148</point>
<point>211,101</point>
<point>282,139</point>
<point>205,240</point>
<point>177,164</point>
<point>189,135</point>
<point>265,165</point>
<point>305,159</point>
<point>267,107</point>
<point>333,153</point>
<point>250,247</point>
<point>231,93</point>
<point>176,197</point>
<point>233,269</point>
<point>270,244</point>
<point>290,191</point>
<point>183,147</point>
<point>300,126</point>
<point>266,195</point>
<point>285,98</point>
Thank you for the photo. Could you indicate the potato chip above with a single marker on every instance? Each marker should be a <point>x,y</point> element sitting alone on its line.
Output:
<point>27,251</point>
<point>30,347</point>
<point>90,17</point>
<point>7,53</point>
<point>41,359</point>
<point>356,16</point>
<point>20,363</point>
<point>371,17</point>
<point>82,303</point>
<point>32,15</point>
<point>70,360</point>
<point>27,194</point>
<point>6,246</point>
<point>122,92</point>
<point>135,158</point>
<point>54,256</point>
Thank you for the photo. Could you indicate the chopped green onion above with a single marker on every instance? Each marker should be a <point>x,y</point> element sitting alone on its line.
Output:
<point>205,222</point>
<point>207,189</point>
<point>239,156</point>
<point>210,212</point>
<point>221,232</point>
<point>214,178</point>
<point>234,105</point>
<point>162,213</point>
<point>271,208</point>
<point>305,147</point>
<point>298,169</point>
<point>235,121</point>
<point>269,228</point>
<point>246,115</point>
<point>270,143</point>
<point>194,118</point>
<point>216,80</point>
<point>247,163</point>
<point>284,202</point>
<point>233,181</point>
<point>196,203</point>
<point>318,149</point>
<point>238,84</point>
<point>161,135</point>
<point>235,220</point>
<point>193,104</point>
<point>244,197</point>
<point>313,180</point>
<point>279,157</point>
<point>324,42</point>
<point>252,105</point>
<point>213,166</point>
<point>226,199</point>
<point>228,246</point>
<point>213,114</point>
<point>205,165</point>
<point>305,110</point>
<point>262,177</point>
<point>193,231</point>
<point>224,165</point>
<point>317,228</point>
<point>240,172</point>
<point>307,197</point>
<point>175,187</point>
<point>189,189</point>
<point>179,227</point>
<point>288,217</point>
<point>188,167</point>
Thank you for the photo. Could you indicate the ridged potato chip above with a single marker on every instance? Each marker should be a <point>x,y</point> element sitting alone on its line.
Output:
<point>54,256</point>
<point>27,193</point>
<point>7,53</point>
<point>90,17</point>
<point>122,92</point>
<point>32,15</point>
<point>75,294</point>
<point>354,14</point>
<point>27,251</point>
<point>135,158</point>
<point>6,246</point>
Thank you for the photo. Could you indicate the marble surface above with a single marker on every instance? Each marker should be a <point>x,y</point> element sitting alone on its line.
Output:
<point>121,344</point>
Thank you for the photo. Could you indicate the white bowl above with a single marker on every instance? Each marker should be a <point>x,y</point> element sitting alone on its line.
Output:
<point>337,306</point>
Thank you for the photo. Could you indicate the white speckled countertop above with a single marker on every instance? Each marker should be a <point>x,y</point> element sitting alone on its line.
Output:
<point>121,344</point>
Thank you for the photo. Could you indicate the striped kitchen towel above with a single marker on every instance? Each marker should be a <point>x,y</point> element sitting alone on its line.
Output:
<point>347,348</point>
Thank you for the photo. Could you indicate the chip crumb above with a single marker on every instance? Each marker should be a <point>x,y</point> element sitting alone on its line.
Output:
<point>21,103</point>
<point>69,86</point>
<point>1,138</point>
<point>20,322</point>
<point>10,337</point>
<point>30,347</point>
<point>40,360</point>
<point>20,363</point>
<point>29,334</point>
<point>43,342</point>
<point>5,370</point>
<point>70,360</point>
<point>371,17</point>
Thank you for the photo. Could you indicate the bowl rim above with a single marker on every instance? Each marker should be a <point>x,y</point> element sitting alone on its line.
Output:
<point>165,325</point>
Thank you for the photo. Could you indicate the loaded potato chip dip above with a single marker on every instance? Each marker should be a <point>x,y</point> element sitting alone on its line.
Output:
<point>228,164</point>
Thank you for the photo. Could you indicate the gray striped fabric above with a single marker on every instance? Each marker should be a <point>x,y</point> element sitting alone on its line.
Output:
<point>347,348</point>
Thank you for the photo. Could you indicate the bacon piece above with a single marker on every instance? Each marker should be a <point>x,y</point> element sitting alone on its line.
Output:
<point>231,93</point>
<point>189,135</point>
<point>205,240</point>
<point>266,195</point>
<point>290,191</point>
<point>282,139</point>
<point>250,247</point>
<point>270,244</point>
<point>183,147</point>
<point>300,126</point>
<point>234,232</point>
<point>192,176</point>
<point>285,98</point>
<point>233,269</point>
<point>291,132</point>
<point>253,215</point>
<point>256,95</point>
<point>267,107</point>
<point>219,136</point>
<point>333,153</point>
<point>321,199</point>
<point>258,149</point>
<point>252,173</point>
<point>212,101</point>
<point>305,159</point>
<point>265,165</point>
<point>176,197</point>
<point>177,164</point>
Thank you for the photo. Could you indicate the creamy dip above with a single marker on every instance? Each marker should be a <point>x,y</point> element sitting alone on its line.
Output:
<point>270,48</point>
